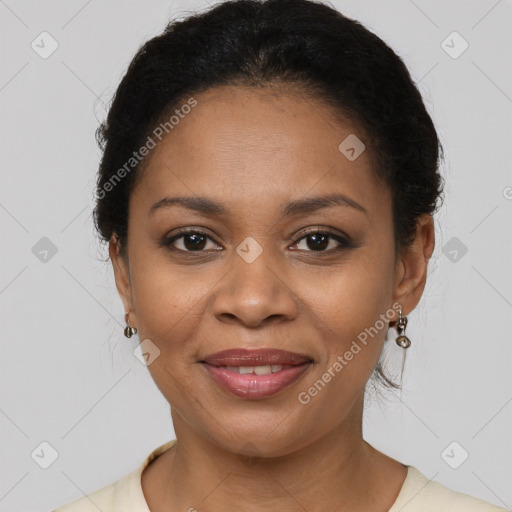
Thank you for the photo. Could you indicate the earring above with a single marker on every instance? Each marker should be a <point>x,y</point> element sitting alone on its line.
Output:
<point>402,340</point>
<point>128,330</point>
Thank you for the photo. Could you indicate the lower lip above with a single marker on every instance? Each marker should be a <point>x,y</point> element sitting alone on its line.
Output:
<point>252,386</point>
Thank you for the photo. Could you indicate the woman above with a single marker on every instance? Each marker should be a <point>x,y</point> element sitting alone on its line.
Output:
<point>267,188</point>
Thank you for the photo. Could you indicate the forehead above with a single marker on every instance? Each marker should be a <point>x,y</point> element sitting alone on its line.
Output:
<point>259,144</point>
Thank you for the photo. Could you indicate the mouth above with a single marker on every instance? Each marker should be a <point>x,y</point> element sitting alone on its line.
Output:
<point>256,374</point>
<point>244,358</point>
<point>257,370</point>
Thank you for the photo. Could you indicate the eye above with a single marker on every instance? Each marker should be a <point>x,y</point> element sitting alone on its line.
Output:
<point>193,241</point>
<point>319,241</point>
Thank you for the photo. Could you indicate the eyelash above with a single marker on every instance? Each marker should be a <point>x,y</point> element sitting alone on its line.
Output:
<point>345,242</point>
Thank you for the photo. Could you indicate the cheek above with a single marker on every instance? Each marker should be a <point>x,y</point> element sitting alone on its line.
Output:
<point>354,293</point>
<point>169,303</point>
<point>351,320</point>
<point>350,306</point>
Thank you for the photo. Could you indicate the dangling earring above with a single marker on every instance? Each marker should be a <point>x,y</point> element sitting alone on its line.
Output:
<point>128,330</point>
<point>402,340</point>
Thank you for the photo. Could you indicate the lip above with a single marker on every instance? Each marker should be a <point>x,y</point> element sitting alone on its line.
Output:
<point>252,386</point>
<point>255,357</point>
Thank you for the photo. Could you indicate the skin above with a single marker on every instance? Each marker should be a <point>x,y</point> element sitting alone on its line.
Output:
<point>253,150</point>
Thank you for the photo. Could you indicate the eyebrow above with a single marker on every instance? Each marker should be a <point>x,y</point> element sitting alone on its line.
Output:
<point>297,207</point>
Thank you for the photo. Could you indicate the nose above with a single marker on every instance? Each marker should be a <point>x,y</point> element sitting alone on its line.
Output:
<point>254,294</point>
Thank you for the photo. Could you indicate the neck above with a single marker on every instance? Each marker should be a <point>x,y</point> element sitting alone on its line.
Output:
<point>339,471</point>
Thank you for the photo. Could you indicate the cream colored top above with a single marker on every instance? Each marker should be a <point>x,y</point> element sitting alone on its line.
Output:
<point>417,494</point>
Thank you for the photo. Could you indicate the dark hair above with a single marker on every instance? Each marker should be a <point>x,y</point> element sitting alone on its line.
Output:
<point>262,43</point>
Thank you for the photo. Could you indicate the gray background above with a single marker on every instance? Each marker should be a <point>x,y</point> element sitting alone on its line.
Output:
<point>68,375</point>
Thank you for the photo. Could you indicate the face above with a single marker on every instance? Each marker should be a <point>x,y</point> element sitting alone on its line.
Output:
<point>292,248</point>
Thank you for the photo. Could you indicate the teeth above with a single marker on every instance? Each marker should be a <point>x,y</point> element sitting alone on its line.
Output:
<point>258,370</point>
<point>263,370</point>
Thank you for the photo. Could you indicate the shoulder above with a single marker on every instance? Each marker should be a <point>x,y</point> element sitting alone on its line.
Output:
<point>102,499</point>
<point>112,498</point>
<point>120,496</point>
<point>419,494</point>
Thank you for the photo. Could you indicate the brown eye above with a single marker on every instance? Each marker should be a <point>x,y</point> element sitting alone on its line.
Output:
<point>319,241</point>
<point>193,241</point>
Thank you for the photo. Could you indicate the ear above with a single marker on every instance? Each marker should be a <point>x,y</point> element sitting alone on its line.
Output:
<point>121,274</point>
<point>412,265</point>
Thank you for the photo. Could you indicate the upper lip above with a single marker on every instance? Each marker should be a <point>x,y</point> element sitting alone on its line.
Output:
<point>255,357</point>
